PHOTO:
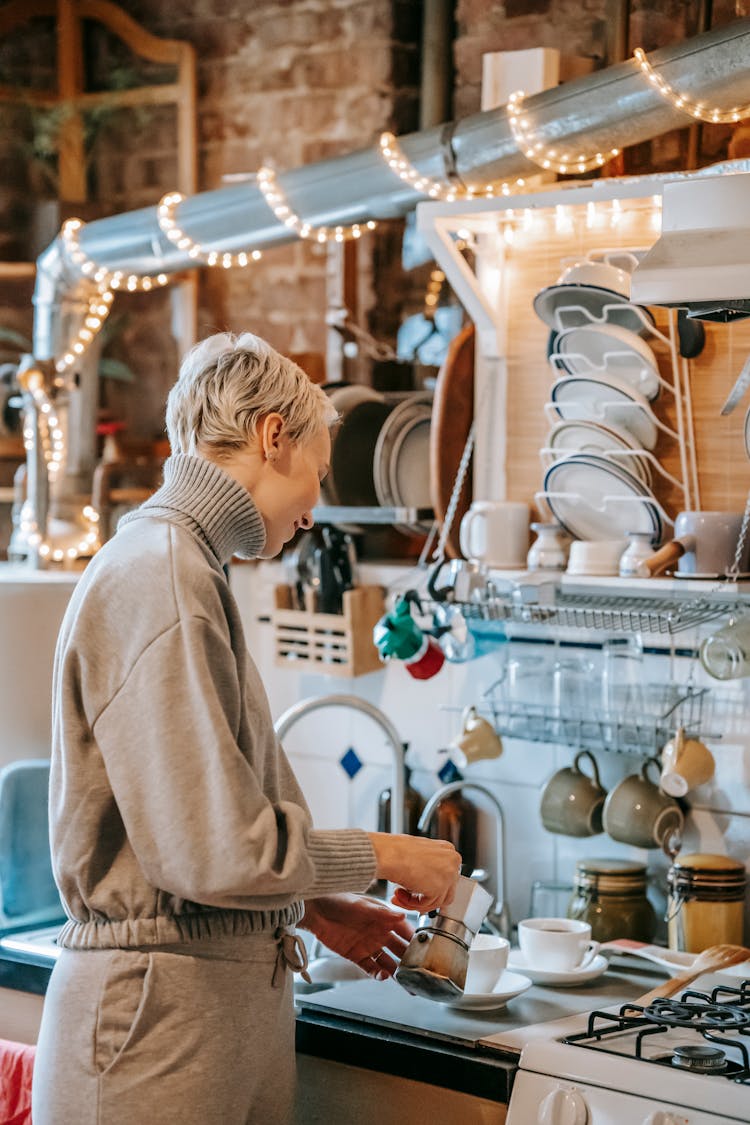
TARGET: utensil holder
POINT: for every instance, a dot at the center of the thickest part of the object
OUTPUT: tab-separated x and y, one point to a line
330	643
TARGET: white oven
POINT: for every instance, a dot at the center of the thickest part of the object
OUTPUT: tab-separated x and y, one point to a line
677	1062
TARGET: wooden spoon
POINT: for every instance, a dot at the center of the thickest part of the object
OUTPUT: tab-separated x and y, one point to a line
709	961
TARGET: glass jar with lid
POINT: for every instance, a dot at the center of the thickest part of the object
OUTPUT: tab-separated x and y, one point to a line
706	902
610	894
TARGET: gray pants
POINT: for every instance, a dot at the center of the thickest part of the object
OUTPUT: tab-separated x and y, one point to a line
157	1037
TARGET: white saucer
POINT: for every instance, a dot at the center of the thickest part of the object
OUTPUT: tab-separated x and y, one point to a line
509	985
558	978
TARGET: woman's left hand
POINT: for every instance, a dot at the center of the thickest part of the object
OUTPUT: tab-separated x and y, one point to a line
361	929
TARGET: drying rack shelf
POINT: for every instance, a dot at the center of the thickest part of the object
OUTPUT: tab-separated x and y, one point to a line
607	612
639	725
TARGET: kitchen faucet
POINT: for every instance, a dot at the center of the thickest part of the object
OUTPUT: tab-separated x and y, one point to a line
498	918
306	706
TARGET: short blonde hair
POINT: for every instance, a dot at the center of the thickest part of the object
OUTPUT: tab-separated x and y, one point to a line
227	384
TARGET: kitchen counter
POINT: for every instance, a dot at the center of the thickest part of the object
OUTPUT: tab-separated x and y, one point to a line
378	1027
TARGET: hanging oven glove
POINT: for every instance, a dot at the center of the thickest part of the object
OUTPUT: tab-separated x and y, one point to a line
398	636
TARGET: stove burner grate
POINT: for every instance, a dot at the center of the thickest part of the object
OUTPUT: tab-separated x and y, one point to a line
698	1015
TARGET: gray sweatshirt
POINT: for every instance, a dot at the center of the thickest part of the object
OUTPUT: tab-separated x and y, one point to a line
174	812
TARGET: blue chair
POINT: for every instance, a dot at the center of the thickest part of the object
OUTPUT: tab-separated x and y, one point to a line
28	894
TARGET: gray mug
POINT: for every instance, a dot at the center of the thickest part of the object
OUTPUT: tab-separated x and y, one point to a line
572	802
637	812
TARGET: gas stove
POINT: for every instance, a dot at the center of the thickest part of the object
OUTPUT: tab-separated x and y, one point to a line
681	1061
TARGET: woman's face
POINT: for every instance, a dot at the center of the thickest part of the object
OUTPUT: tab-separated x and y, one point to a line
289	487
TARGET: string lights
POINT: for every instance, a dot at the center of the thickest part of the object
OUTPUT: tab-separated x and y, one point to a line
543	156
166	216
104	278
393	156
279	204
702	112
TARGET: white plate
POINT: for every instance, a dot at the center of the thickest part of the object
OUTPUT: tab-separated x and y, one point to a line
562	306
603	499
401	468
509	985
556	978
593	437
606	401
608	349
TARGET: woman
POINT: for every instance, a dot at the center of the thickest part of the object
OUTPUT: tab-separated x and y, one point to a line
181	842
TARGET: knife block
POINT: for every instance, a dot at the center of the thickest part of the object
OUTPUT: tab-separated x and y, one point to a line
336	644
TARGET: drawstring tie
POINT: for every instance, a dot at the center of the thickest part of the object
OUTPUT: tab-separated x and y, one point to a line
291	954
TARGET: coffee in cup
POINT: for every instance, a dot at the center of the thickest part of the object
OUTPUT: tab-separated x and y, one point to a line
637	812
488	956
686	763
572	802
556	944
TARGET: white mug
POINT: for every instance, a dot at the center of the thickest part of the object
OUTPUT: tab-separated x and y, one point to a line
556	944
488	956
496	532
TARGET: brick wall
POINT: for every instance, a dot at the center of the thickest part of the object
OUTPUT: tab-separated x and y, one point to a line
295	82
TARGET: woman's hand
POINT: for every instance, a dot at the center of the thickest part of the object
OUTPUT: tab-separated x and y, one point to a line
360	929
426	871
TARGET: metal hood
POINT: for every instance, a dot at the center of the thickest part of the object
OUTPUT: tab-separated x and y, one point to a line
701	262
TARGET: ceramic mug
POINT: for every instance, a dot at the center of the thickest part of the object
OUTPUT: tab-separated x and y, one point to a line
599	557
704	545
477	739
496	533
572	802
686	763
488	956
637	812
556	944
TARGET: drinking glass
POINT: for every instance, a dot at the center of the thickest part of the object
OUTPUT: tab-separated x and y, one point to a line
622	687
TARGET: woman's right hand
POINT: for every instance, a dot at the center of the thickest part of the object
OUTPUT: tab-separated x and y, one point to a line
426	871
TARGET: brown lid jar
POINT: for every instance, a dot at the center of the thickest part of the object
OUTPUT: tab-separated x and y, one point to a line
610	894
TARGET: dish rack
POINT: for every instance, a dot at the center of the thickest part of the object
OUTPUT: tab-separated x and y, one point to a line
629	613
639	725
679	387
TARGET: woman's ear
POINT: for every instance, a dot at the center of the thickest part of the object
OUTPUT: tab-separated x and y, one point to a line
271	429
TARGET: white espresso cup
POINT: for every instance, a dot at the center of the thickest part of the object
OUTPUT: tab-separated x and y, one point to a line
556	944
496	533
488	956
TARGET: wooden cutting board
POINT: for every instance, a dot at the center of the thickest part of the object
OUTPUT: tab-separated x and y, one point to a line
452	415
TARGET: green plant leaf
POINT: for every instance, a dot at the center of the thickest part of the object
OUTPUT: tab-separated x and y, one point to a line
116	369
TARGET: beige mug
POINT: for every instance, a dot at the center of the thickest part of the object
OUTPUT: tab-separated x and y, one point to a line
477	739
572	802
496	533
637	812
686	763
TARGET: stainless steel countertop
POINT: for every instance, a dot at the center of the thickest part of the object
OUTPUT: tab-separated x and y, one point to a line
387	1004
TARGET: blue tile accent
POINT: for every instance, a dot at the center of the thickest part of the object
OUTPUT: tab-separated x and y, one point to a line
350	762
449	773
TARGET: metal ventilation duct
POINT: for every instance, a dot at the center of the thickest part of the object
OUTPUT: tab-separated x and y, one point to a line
609	109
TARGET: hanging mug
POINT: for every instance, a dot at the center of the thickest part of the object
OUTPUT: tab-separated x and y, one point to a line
572	802
477	739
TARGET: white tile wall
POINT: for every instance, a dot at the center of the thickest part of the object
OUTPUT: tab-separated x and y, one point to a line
426	715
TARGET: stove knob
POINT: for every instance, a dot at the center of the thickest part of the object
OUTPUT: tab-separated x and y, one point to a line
563	1106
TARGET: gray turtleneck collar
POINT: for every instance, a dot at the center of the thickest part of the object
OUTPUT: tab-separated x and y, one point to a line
199	495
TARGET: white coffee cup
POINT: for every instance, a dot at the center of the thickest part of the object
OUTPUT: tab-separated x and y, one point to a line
488	956
496	533
556	944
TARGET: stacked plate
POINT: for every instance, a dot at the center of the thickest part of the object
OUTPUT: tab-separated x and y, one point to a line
381	452
599	483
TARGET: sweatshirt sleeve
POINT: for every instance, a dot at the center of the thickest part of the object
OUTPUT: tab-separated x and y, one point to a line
192	803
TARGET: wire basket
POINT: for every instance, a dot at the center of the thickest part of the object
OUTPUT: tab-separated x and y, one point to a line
640	721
